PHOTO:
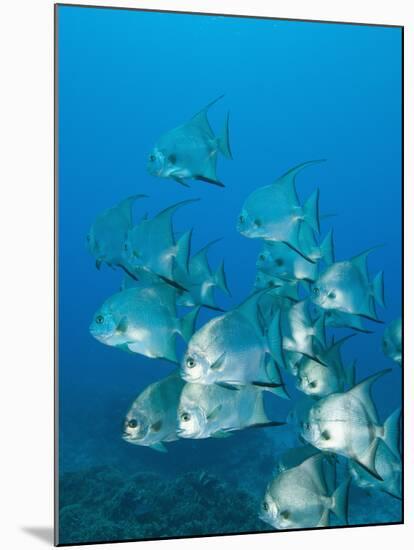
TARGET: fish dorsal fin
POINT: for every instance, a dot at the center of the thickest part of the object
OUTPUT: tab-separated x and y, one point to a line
182	251
360	261
332	355
125	206
169	211
200	119
288	180
199	266
362	392
161	227
296	456
249	308
314	467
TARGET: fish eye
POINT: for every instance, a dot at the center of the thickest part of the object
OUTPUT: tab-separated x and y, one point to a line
285	514
257	223
332	295
241	219
190	362
152	158
132	423
325	435
185	417
313	384
262	257
125	247
265	506
172	159
88	238
99	319
279	262
271	284
316	291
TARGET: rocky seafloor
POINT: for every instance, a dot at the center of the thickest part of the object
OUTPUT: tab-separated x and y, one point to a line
198	488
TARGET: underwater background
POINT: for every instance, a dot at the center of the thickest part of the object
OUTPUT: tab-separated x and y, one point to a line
296	91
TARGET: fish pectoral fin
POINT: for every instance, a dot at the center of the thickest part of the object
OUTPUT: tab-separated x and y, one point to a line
156	427
122	326
209	180
219	363
214	413
160	447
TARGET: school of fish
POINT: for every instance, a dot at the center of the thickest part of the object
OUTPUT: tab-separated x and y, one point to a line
276	334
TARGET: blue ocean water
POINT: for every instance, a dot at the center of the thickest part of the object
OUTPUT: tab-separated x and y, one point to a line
296	91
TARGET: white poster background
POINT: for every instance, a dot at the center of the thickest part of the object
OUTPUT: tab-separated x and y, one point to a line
26	289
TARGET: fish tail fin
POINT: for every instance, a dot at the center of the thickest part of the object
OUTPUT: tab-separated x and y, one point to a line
275	377
327	249
378	288
187	323
183	248
311	211
224	140
275	340
391	435
220	279
340	501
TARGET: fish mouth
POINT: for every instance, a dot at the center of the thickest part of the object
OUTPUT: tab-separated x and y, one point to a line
185	375
182	433
240	229
99	336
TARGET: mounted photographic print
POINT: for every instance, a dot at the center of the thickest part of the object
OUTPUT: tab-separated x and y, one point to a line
229	274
